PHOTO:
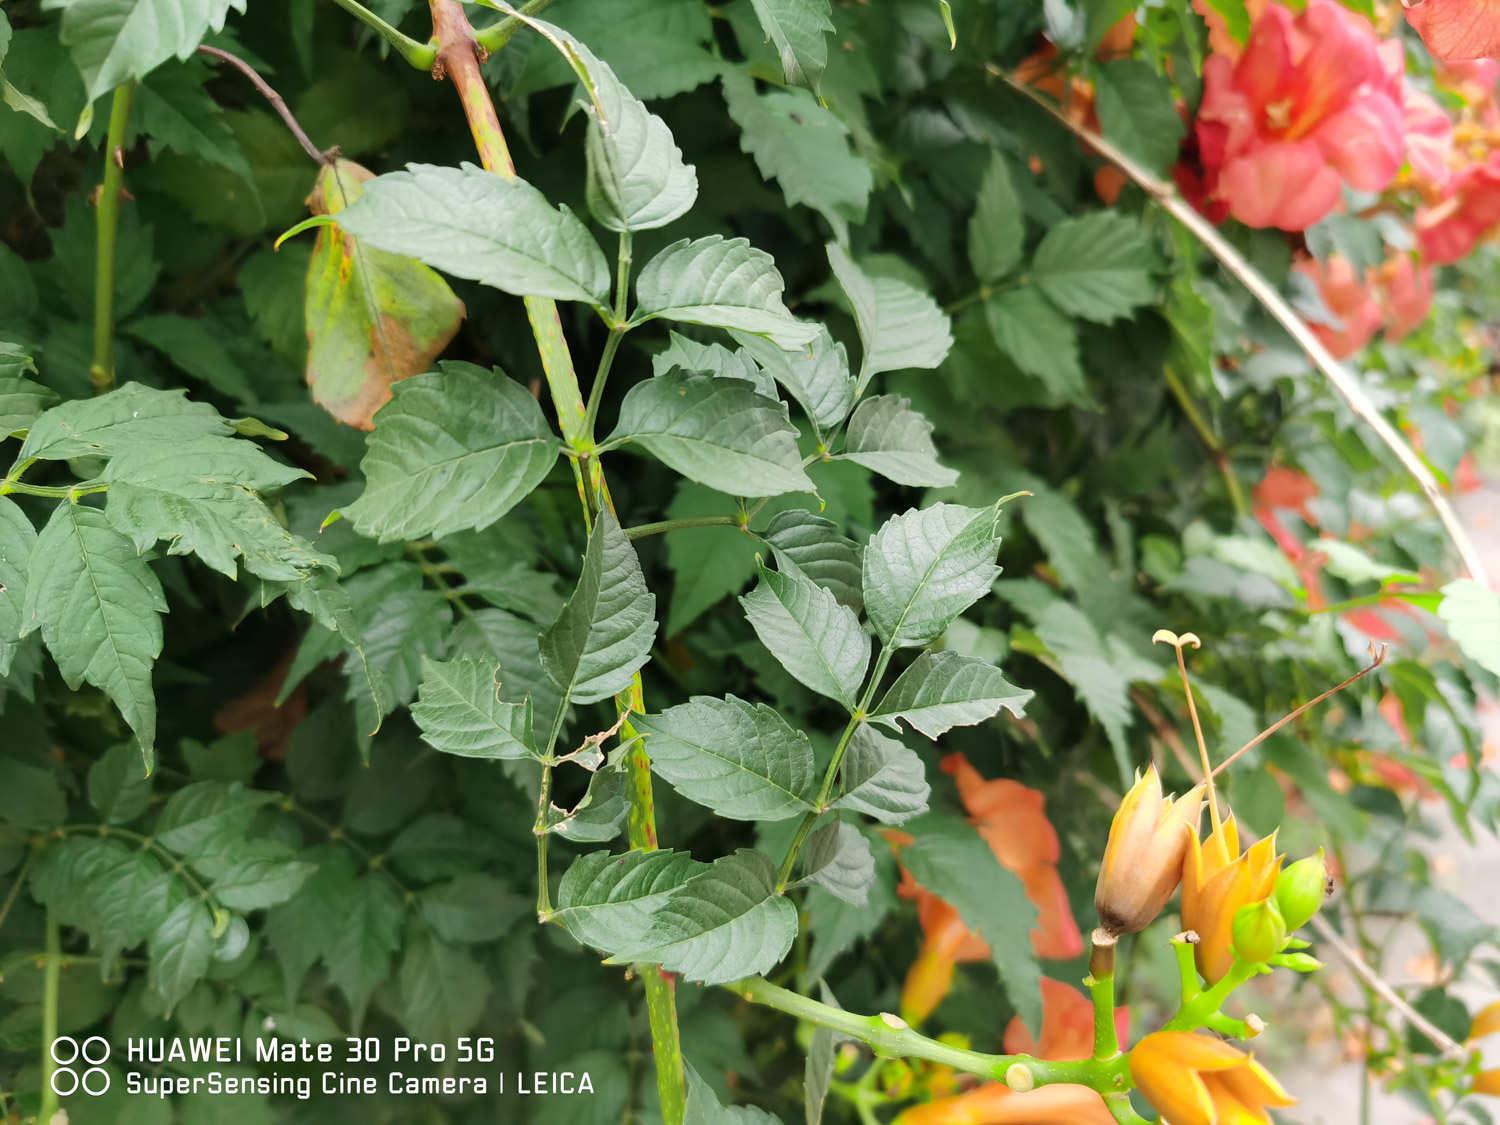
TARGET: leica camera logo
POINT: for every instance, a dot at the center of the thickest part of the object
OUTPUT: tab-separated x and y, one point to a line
79	1065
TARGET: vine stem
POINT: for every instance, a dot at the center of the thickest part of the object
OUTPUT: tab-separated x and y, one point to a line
1348	388
277	102
660	527
422	56
457	58
1101	986
51	984
102	366
891	1037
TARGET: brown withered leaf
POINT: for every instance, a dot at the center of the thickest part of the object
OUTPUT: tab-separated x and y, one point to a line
372	318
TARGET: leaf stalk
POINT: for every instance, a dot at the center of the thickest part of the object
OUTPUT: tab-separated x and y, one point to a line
102	366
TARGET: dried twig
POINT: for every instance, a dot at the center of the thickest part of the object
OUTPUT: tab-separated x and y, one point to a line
278	103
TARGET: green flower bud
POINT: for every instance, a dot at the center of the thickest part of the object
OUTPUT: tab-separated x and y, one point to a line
1300	890
1259	932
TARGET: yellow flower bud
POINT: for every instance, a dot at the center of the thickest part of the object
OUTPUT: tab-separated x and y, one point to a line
1143	859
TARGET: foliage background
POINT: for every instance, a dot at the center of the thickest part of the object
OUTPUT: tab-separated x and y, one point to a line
396	897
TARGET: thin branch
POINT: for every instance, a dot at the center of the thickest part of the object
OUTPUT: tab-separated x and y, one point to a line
102	366
1345	384
422	56
660	527
1377	658
278	103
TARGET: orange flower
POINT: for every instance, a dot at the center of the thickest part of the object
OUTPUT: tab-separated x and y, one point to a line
1198	1080
1012	819
1487	1082
1216	881
1487	1022
1143	859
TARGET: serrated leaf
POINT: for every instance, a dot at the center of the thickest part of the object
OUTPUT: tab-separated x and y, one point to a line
717	432
599	815
817	375
899	326
925	567
370	914
813	545
256	881
1472	614
836	926
201	496
17	541
115	41
714	359
801	145
181	949
997	229
96	603
838	859
129	417
882	778
607	901
373	318
659	48
195	345
722	283
1039	339
471	223
820	642
604	633
887	436
472	907
725	923
33	798
493	634
21	401
1138	112
459	711
798	28
454	449
119	895
206	817
948	858
177	113
740	759
943	690
1087	662
441	990
704	1107
118	788
1096	266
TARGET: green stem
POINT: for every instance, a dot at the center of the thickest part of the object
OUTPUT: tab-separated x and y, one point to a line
15	888
102	367
176	865
891	1037
660	527
51	983
1196	1012
1187	972
539	827
831	774
1118	1104
1211	442
70	492
422	56
617	332
497	35
1106	1036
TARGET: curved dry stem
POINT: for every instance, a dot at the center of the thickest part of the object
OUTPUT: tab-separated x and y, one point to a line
1355	397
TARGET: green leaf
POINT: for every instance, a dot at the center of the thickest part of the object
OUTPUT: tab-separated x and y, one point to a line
255	881
131	417
813	545
180	949
21	400
471	223
1087	662
604	633
925	567
798	28
740	759
725	923
472	907
208	817
1139	112
838	859
714	359
454	449
801	145
948	858
115	41
196	346
119	895
658	48
96	603
817	376
17	541
888	436
820	642
1472	614
997	229
704	1108
200	495
722	283
882	778
370	914
1097	266
717	432
599	815
943	690
899	325
176	112
441	990
1039	340
493	634
373	318
33	799
458	710
118	788
607	901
